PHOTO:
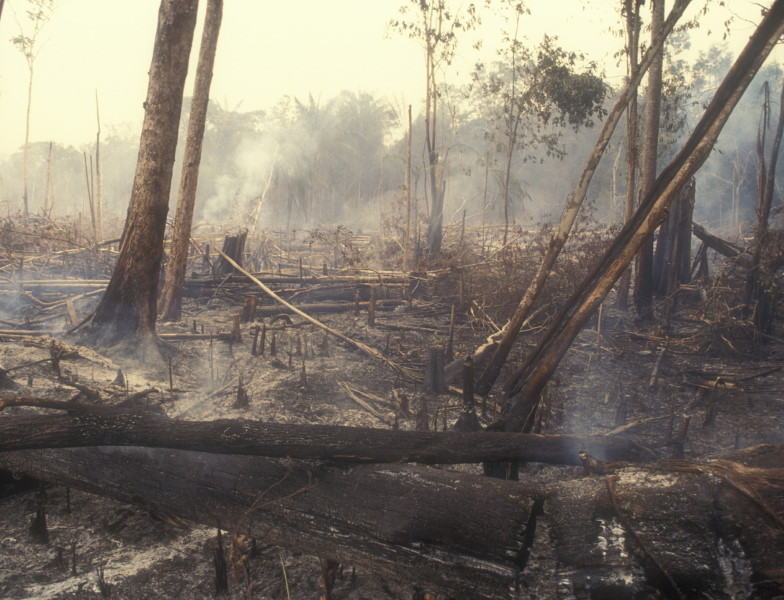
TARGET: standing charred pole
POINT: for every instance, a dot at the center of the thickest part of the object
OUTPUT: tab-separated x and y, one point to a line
171	295
128	306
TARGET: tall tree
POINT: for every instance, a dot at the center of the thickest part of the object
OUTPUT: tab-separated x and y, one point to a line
761	288
436	26
632	22
128	307
171	295
38	13
643	283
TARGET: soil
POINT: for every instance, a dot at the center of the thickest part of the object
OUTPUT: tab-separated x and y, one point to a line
711	392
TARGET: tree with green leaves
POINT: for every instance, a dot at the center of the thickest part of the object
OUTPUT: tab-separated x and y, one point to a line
38	14
530	95
436	26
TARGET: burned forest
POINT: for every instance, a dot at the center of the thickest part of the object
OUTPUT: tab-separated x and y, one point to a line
519	339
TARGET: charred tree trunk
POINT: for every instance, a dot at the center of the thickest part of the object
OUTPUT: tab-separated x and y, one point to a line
233	247
129	304
171	295
632	24
672	259
668	530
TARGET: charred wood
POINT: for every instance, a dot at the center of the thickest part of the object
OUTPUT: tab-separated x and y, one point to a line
96	425
691	529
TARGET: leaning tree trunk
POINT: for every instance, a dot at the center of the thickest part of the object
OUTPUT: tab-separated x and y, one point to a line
643	282
171	295
529	379
128	306
679	530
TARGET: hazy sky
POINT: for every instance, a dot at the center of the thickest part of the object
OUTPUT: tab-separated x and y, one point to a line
266	50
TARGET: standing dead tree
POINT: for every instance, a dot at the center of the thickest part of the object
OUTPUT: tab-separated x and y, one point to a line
525	385
128	306
643	281
632	24
672	259
171	294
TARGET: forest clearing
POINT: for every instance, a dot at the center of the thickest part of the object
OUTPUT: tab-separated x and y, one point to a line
365	373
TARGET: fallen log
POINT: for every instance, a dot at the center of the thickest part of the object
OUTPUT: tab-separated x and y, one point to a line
99	425
720	245
326	307
676	530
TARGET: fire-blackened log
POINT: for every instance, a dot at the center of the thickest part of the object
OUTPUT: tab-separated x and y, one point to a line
93	425
686	529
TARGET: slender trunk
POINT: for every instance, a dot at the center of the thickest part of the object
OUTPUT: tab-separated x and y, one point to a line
98	174
26	148
761	291
89	185
171	295
407	241
643	288
512	125
48	196
508	175
632	8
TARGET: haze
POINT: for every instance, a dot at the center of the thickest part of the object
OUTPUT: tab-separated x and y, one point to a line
266	50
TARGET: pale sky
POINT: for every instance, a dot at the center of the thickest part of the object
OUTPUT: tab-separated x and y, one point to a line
266	50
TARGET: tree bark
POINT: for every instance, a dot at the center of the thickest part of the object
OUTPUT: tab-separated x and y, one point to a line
525	385
643	283
171	295
234	247
96	425
689	529
761	291
672	258
128	306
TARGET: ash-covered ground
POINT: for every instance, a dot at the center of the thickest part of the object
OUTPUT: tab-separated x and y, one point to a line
688	389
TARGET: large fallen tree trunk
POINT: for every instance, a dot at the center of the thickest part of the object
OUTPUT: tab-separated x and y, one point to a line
689	529
94	425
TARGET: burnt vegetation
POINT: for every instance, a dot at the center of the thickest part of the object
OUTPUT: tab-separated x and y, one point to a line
346	370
